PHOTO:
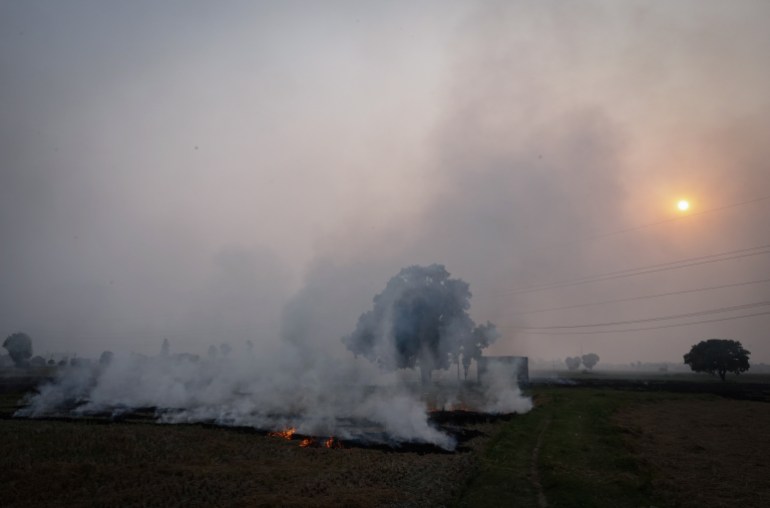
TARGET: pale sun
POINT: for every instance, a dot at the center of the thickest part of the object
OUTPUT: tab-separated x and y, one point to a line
683	205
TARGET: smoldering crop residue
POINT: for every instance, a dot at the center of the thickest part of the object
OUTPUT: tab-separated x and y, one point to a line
355	403
317	393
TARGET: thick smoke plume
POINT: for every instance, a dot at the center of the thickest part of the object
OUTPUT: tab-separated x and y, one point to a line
501	393
420	319
242	390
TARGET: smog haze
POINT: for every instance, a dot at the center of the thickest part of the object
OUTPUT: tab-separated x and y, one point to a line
217	173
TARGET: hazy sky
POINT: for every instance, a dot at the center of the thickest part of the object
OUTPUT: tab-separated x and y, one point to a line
213	172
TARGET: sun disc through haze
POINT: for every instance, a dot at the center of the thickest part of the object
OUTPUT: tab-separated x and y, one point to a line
258	172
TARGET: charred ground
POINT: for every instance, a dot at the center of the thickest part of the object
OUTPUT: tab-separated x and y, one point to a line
597	442
133	461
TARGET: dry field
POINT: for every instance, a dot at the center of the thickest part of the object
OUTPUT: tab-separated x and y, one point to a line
50	463
609	446
704	453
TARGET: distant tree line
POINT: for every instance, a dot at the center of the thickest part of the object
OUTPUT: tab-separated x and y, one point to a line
19	347
588	360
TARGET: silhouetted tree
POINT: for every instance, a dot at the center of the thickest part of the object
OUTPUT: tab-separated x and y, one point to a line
19	346
419	320
589	360
573	362
718	356
106	358
225	349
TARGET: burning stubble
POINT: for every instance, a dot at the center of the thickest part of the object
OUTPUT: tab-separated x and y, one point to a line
295	392
353	403
337	398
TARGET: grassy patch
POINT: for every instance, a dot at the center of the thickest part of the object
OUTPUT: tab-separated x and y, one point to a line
502	475
583	459
575	449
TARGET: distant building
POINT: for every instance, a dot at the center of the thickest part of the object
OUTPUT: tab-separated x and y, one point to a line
517	366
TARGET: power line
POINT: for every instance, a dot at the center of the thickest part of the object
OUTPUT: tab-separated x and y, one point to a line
656	267
644	297
660	267
657	223
635	228
646	328
718	310
674	219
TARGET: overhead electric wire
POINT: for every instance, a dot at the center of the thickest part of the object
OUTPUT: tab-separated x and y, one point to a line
706	312
660	267
722	256
644	297
635	228
678	218
656	223
660	327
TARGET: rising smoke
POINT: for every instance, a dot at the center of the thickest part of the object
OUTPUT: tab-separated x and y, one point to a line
171	171
421	320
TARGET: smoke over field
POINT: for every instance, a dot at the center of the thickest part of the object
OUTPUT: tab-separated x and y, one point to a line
315	394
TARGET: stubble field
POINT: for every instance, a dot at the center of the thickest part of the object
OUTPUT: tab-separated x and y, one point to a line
580	446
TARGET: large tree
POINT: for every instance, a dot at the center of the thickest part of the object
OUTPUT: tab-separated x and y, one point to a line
19	347
420	320
589	360
718	356
572	362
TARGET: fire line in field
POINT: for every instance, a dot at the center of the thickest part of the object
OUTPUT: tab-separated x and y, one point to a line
306	442
285	434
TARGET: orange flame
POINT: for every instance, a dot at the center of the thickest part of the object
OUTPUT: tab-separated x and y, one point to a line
306	442
332	443
286	434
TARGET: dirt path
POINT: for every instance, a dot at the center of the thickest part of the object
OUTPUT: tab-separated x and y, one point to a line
542	501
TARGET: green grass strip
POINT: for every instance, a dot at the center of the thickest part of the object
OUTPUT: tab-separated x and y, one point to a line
582	460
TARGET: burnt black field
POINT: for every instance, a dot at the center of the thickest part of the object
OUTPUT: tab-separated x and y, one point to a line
591	440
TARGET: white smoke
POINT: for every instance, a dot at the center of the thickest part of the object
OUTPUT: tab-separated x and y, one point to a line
307	381
501	390
347	400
